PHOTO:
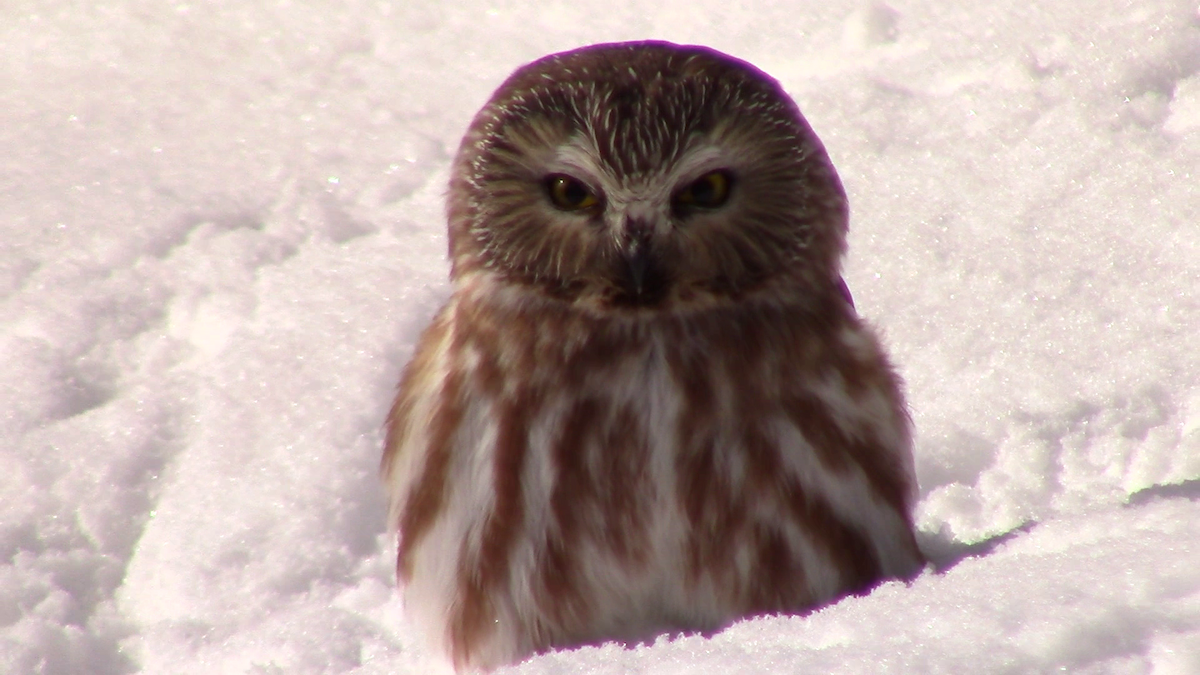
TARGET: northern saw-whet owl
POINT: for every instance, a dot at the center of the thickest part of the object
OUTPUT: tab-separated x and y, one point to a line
648	406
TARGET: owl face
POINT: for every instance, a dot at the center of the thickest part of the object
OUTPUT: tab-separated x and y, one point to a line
645	176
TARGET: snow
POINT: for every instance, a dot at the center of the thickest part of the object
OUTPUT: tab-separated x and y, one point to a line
221	232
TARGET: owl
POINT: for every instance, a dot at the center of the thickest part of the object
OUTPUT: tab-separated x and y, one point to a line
648	406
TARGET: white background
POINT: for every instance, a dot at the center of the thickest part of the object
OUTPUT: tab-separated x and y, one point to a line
221	232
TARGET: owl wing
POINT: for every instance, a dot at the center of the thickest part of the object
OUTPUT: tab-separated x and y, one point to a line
421	397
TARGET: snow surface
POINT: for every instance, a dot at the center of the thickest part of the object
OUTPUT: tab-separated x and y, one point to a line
221	232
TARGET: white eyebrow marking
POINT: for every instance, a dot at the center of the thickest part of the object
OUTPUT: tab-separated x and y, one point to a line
699	161
576	157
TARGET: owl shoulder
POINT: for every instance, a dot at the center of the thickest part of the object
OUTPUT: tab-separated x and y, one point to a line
422	384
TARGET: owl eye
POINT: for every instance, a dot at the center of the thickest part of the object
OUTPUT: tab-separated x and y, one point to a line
707	192
570	194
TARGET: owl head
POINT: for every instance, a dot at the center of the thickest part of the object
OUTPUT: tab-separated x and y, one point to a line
646	176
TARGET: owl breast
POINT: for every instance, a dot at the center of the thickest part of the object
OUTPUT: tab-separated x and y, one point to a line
560	479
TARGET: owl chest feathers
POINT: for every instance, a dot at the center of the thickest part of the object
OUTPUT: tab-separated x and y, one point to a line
570	479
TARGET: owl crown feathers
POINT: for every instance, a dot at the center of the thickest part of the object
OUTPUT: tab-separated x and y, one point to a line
646	175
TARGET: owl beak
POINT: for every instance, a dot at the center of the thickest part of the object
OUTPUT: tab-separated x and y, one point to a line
643	278
637	261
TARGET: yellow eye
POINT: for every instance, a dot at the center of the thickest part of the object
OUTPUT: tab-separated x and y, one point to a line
570	194
708	191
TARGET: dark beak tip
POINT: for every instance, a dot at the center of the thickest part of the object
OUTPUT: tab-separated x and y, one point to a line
637	261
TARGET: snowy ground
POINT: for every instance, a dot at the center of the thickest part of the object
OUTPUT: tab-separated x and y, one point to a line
221	231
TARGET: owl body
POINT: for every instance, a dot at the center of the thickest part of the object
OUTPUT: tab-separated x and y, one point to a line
648	406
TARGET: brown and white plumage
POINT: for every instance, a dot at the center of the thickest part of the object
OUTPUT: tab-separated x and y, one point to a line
648	406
